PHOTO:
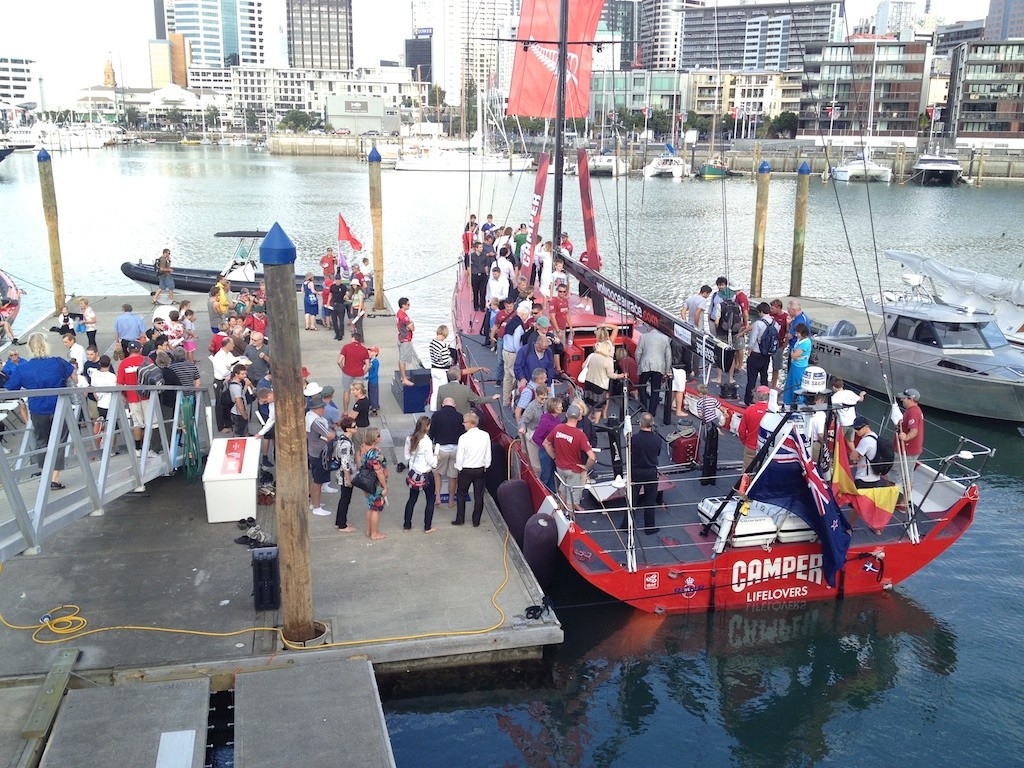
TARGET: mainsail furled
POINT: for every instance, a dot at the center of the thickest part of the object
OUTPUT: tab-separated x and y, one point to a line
532	93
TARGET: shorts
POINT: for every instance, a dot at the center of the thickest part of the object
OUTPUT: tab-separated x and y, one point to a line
101	414
407	354
347	381
189	345
316	468
678	379
446	462
166	283
739	341
778	357
92	409
136	414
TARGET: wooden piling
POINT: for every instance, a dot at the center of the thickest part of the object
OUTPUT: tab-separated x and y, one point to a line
796	274
764	175
376	218
291	501
52	231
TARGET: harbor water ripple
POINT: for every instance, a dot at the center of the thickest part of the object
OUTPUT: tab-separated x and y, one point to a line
928	674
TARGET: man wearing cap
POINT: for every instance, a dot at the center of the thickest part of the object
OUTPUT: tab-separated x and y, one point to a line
354	362
331	410
318	435
472	458
128	376
909	437
751	422
862	453
567	444
532	357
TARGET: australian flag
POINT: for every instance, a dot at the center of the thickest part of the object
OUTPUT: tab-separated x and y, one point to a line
791	480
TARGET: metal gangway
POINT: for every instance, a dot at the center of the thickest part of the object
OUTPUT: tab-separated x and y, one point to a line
98	467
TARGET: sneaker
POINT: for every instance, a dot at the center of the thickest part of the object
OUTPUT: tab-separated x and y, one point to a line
138	453
152	455
267	462
321	512
328	488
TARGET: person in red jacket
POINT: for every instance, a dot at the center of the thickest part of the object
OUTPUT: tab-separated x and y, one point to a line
909	437
750	422
128	376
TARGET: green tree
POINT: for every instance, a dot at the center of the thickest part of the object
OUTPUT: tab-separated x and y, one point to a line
295	119
469	106
212	116
252	120
175	117
784	126
132	117
659	121
924	123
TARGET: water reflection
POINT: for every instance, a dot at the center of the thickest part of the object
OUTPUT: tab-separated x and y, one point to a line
754	688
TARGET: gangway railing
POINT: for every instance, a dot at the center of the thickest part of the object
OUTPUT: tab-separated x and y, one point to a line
99	466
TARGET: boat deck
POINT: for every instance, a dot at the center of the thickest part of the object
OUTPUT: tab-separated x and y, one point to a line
679	536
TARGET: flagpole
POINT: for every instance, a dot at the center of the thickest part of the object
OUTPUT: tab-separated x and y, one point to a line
563	34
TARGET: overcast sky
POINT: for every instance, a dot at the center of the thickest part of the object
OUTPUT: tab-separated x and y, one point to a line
71	40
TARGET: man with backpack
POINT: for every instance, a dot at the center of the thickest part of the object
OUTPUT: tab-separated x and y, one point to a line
730	324
872	457
761	345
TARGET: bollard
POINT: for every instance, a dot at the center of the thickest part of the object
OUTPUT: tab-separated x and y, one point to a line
376	218
764	175
796	274
53	232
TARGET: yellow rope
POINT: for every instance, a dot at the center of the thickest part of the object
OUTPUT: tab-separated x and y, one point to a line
67	623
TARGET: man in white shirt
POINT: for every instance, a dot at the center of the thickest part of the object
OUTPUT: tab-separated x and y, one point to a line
862	452
844	401
76	351
497	286
472	458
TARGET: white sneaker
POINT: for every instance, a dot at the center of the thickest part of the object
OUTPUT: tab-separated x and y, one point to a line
328	488
138	453
152	455
321	512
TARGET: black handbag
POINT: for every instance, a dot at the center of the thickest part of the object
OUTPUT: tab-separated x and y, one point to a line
365	480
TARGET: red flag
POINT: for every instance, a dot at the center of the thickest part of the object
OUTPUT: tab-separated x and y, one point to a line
345	235
532	93
526	255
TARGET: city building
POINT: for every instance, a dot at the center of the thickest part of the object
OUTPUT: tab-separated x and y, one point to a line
1005	20
871	88
986	94
18	84
208	29
896	17
169	60
661	29
468	48
225	33
763	36
621	22
419	53
320	34
948	36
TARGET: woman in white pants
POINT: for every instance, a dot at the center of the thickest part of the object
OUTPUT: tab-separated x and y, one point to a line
440	362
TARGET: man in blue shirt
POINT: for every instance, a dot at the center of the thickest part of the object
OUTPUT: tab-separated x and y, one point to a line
530	357
128	327
796	316
43	372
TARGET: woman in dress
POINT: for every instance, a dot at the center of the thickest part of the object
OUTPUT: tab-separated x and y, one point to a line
600	371
310	302
440	362
799	356
370	456
422	460
89	320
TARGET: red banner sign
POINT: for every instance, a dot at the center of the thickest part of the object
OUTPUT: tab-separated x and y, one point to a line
534	86
526	254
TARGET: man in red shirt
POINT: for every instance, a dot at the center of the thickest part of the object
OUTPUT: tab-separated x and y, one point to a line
558	312
781	318
909	433
407	356
329	263
567	444
354	361
128	376
566	244
751	423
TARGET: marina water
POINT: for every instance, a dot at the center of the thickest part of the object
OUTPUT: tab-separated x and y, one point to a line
926	675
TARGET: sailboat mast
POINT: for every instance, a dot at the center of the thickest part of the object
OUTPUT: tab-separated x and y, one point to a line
563	33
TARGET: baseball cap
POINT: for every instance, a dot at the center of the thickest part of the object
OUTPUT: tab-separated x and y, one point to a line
574	412
762	390
315	403
860	422
312	389
911	393
134	345
327	392
543	322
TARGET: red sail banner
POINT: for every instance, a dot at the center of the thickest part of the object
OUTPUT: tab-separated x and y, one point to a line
533	89
526	255
587	202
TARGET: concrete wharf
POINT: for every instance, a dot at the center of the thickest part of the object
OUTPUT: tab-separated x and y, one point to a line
412	601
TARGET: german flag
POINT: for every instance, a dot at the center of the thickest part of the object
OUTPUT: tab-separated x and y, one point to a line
874	505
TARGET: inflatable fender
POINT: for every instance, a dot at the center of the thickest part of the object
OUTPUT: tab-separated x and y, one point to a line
516	506
540	547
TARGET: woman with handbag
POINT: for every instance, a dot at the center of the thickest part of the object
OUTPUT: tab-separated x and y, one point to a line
345	452
372	459
596	376
422	460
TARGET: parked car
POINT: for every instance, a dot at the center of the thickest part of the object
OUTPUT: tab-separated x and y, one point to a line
342	132
317	131
371	133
